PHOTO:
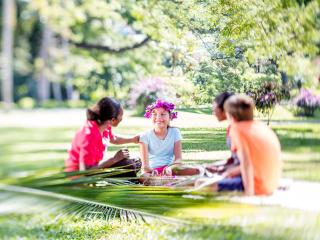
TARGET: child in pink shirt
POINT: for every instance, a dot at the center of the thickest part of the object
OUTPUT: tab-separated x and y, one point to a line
90	142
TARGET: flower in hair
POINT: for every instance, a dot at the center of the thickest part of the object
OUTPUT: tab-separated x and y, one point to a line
161	104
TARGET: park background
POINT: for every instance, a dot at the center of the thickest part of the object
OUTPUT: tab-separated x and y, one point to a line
59	57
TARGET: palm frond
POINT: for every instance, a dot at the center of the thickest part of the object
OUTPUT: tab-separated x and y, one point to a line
100	194
24	199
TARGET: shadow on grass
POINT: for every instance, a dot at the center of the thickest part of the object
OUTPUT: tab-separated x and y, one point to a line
203	139
295	139
303	170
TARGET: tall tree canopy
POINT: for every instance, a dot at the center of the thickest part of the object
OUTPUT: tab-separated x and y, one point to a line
96	46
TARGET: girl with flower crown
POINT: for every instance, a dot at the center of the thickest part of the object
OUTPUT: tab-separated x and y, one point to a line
160	147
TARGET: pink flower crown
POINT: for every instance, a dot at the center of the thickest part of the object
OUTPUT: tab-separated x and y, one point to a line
161	104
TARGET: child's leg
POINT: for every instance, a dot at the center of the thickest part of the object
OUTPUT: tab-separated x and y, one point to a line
230	184
150	179
130	164
227	184
206	182
186	171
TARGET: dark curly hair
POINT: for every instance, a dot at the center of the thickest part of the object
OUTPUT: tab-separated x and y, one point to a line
104	110
222	98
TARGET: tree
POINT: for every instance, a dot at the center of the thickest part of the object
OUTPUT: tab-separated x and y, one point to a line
240	35
274	29
110	44
7	52
43	84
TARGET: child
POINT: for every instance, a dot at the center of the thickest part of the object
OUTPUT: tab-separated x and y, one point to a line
90	142
257	148
161	146
218	110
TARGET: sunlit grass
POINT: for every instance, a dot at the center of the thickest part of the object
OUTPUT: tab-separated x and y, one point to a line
224	221
35	149
26	150
31	226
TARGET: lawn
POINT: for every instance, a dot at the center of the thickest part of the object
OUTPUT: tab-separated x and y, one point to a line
26	150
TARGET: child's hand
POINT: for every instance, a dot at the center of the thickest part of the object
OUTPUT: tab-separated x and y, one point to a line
215	169
168	171
176	164
136	139
228	174
121	154
232	172
146	169
172	169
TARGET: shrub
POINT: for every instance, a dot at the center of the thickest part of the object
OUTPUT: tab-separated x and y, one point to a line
76	104
307	102
266	93
146	91
26	103
50	104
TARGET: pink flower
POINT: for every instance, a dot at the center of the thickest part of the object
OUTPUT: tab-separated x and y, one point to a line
161	104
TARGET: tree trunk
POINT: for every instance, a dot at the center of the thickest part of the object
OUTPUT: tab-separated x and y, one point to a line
56	84
43	86
9	12
68	76
57	91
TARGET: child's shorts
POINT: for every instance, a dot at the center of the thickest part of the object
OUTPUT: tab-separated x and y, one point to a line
159	170
230	184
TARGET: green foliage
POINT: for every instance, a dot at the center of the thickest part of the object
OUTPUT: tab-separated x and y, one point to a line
208	44
273	29
242	36
76	104
26	103
50	104
216	77
267	92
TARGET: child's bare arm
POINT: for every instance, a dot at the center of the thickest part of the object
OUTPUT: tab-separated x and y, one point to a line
121	154
144	157
232	172
123	140
177	151
246	169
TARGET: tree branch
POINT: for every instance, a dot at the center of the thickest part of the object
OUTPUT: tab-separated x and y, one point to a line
109	49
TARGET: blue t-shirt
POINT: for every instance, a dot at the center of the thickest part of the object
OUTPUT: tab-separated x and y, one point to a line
161	151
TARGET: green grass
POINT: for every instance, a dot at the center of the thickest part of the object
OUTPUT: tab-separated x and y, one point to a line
25	150
30	226
40	221
202	110
301	150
